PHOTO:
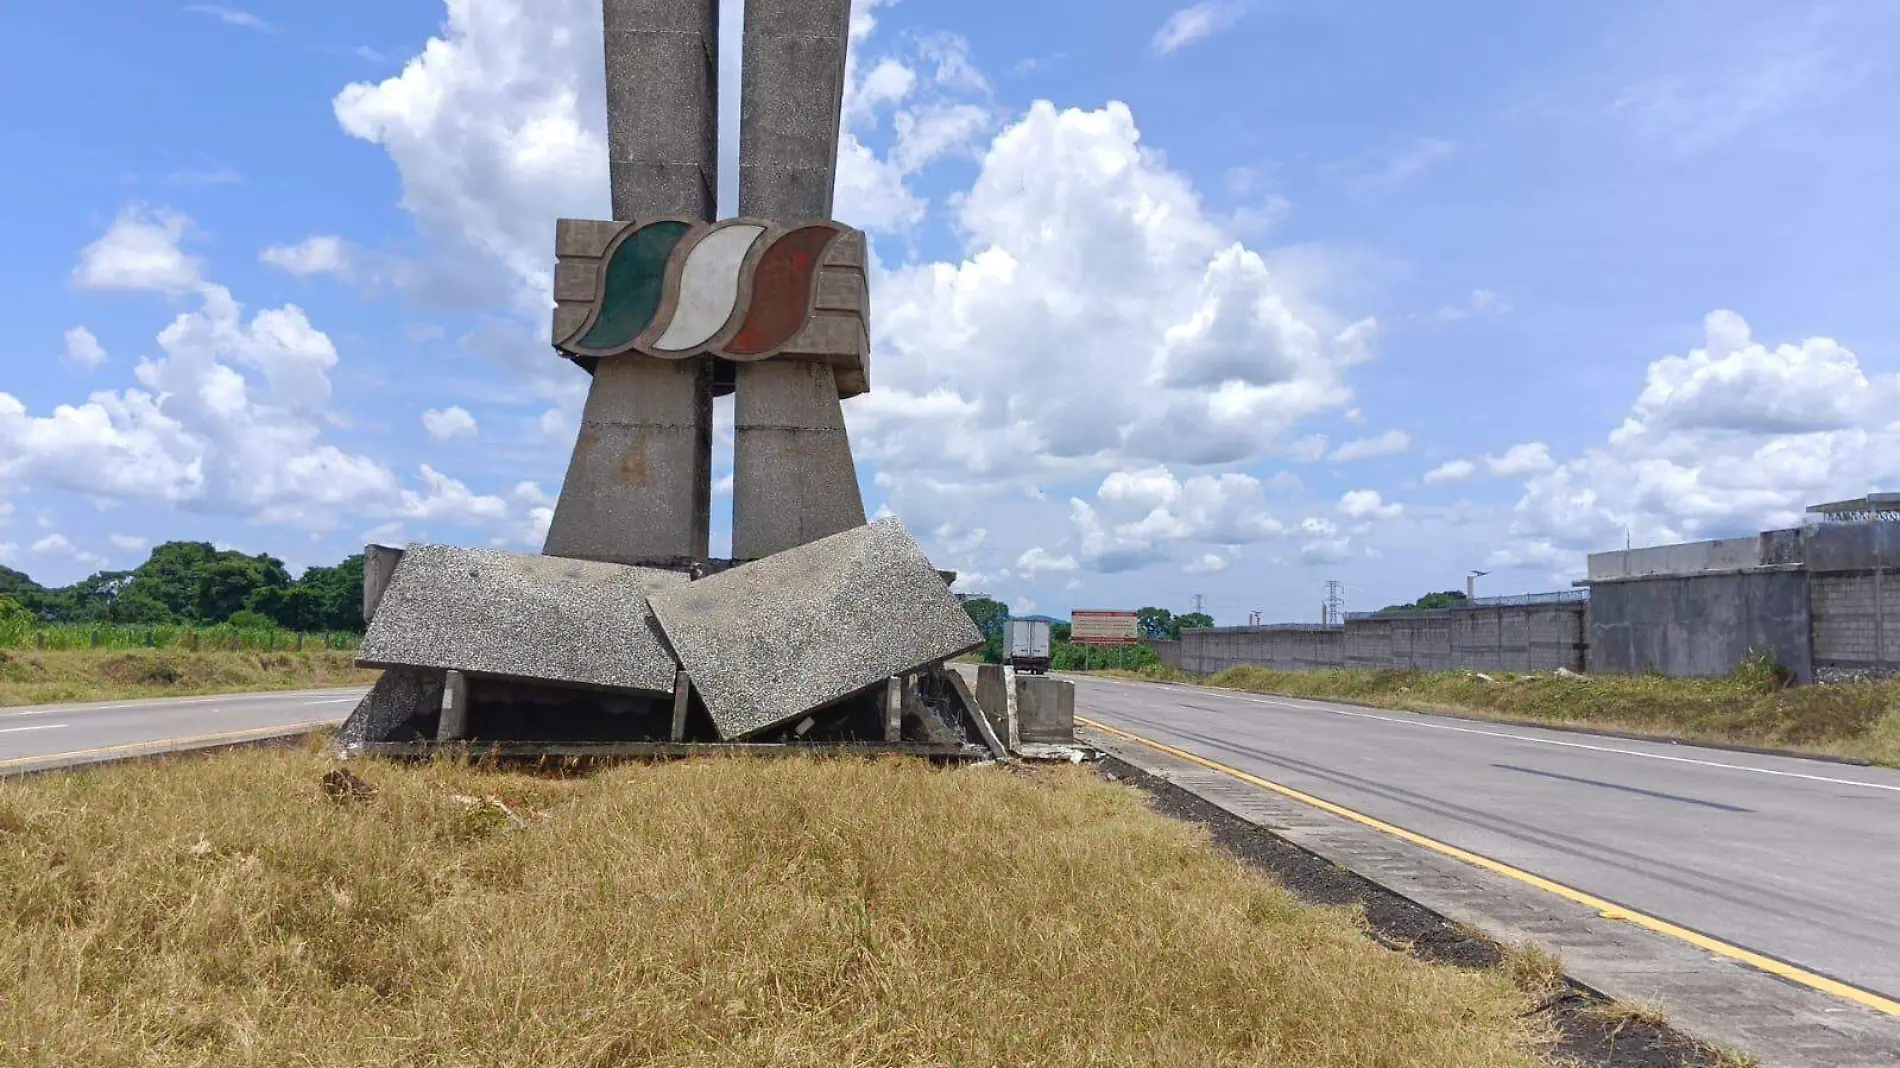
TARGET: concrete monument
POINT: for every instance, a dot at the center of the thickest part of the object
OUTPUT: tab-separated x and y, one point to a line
624	633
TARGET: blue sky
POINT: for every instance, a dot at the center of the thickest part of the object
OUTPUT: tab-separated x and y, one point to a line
1230	299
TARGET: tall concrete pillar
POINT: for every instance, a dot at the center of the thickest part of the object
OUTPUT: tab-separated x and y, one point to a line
639	486
793	478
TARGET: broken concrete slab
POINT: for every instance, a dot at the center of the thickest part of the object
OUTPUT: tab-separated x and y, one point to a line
545	618
960	687
771	640
398	697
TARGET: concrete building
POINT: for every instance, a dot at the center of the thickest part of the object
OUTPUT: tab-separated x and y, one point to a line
1821	598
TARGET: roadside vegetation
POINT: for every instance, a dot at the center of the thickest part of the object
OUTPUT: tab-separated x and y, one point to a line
192	619
707	912
34	677
1755	706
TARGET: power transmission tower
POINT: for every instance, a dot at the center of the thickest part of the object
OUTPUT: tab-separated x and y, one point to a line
1334	608
1200	603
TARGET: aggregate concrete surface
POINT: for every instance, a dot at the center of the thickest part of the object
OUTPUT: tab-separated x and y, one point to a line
39	735
772	639
530	617
1790	858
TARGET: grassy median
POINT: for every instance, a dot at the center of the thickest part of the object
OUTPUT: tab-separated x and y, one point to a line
224	910
1754	707
32	677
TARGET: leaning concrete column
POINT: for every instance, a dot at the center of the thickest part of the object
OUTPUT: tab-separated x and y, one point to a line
793	479
639	487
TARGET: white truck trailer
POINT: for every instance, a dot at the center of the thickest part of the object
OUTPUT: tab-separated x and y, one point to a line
1026	647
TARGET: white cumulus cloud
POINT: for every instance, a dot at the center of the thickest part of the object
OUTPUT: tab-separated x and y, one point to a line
1192	23
1735	436
141	251
1366	504
1386	444
447	424
82	349
322	254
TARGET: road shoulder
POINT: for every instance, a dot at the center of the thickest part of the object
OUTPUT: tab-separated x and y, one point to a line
1710	997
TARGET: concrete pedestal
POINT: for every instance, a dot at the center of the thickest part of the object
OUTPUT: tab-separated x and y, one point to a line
639	487
1045	710
793	480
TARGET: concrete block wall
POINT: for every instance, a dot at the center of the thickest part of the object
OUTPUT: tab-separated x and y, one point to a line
1856	619
1556	636
1701	625
1211	650
1518	638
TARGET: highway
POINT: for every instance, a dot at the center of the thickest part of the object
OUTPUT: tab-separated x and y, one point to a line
1796	859
37	735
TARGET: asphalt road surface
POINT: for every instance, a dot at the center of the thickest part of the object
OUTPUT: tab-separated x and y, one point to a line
110	728
1796	859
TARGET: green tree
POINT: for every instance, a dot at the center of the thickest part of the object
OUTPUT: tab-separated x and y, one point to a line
200	583
992	618
1445	599
135	605
1191	621
245	619
13	613
1156	624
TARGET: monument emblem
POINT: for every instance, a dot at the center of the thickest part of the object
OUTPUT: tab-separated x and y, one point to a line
623	636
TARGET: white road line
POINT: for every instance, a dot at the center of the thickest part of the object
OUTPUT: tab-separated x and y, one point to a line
160	703
333	701
1413	722
34	727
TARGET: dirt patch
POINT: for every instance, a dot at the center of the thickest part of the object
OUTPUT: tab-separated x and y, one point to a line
1593	1031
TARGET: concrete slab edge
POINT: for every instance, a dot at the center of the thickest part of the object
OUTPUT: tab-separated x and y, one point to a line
1710	997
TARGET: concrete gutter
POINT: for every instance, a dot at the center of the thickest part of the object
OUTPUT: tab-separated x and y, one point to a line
113	754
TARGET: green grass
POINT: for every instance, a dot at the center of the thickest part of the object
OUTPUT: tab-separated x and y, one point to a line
221	910
26	634
1859	720
34	677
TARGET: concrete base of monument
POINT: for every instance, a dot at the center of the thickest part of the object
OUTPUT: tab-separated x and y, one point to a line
536	655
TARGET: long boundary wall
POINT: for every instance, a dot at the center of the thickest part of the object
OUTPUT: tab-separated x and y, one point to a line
1522	638
1284	647
1823	600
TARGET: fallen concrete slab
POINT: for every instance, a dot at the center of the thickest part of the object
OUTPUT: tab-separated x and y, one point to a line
771	640
512	615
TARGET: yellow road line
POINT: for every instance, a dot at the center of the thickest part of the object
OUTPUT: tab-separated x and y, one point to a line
170	745
1604	907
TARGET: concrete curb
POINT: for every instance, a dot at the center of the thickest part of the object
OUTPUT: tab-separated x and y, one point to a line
1564	728
203	743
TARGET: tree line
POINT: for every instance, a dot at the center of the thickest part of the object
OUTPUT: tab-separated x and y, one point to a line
195	583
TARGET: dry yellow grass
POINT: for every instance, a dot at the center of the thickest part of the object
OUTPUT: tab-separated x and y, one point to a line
221	911
30	677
